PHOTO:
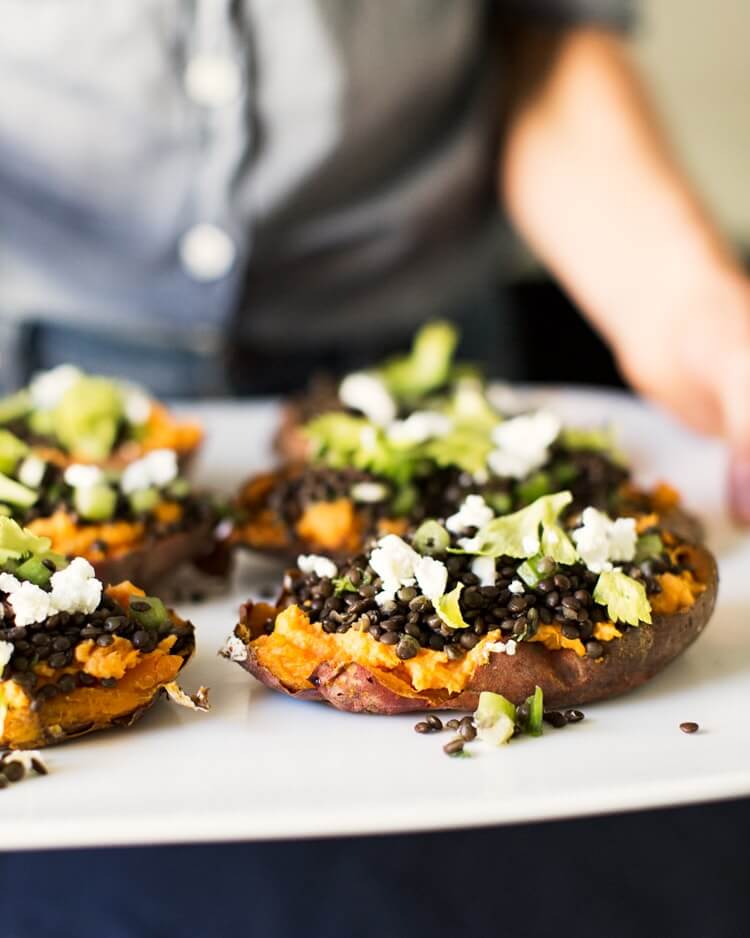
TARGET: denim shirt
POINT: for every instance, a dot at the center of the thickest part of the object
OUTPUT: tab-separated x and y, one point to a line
174	171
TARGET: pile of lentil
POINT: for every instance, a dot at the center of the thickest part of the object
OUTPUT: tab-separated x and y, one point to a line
13	767
591	476
54	642
55	495
562	596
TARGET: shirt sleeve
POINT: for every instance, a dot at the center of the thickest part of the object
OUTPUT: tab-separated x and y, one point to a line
616	14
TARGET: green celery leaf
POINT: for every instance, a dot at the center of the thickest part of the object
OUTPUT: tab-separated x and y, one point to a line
624	597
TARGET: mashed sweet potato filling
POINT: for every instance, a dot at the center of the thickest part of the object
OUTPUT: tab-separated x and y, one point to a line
74	540
297	647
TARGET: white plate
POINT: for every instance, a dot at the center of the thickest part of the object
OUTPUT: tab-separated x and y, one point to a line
262	766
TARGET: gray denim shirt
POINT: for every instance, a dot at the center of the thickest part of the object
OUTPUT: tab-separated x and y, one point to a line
171	170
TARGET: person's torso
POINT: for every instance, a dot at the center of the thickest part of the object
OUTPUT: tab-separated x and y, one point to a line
161	159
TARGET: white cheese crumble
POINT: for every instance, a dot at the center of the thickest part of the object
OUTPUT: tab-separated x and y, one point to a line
431	576
157	468
368	394
31	472
393	561
30	604
80	476
9	583
502	648
485	569
47	388
473	513
523	444
369	492
234	649
136	403
419	427
516	587
6	651
314	563
602	542
75	589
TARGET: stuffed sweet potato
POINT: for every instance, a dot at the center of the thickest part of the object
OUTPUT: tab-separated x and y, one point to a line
515	604
140	523
76	657
67	416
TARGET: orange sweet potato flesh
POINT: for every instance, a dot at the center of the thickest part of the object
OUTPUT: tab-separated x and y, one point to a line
131	553
350	680
140	680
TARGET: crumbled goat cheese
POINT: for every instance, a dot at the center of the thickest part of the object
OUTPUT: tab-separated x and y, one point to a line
369	492
75	589
523	444
30	604
314	563
473	513
157	468
601	542
47	388
79	476
234	649
9	583
393	560
502	648
6	651
31	472
368	394
431	576
516	587
136	404
419	427
485	569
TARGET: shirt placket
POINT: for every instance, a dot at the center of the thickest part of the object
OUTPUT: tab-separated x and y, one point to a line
215	242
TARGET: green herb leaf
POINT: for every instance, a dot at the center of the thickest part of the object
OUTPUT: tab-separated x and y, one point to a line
448	609
518	534
426	367
624	597
648	547
342	584
16	542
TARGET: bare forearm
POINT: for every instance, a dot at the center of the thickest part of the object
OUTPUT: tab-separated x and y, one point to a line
590	182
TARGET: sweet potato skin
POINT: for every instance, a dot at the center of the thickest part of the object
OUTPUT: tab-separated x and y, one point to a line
565	678
158	557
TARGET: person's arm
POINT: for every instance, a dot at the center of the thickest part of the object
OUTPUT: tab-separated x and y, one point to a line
590	182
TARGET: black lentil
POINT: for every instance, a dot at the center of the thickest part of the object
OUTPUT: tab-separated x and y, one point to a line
689	727
454	747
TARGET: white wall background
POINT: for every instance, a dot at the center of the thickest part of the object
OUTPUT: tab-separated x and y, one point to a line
696	54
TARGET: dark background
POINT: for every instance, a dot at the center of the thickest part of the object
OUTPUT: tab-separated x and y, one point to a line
681	872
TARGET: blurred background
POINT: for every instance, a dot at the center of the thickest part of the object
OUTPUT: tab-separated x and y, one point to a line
694	56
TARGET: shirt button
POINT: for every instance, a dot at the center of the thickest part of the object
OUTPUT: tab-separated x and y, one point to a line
207	252
212	80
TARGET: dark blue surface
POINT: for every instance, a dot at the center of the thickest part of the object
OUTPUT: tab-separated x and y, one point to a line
668	873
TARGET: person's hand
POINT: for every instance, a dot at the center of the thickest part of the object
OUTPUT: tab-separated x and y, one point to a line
693	357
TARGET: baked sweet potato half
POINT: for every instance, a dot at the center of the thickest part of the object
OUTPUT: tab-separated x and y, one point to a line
75	657
584	617
140	523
